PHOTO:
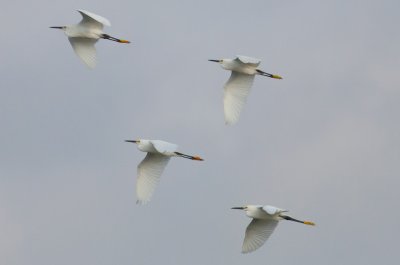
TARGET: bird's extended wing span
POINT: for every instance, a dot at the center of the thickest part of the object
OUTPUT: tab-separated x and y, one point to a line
257	232
149	172
84	48
248	60
164	147
271	210
236	91
92	20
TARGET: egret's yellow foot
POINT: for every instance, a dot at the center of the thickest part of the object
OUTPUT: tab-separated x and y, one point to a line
276	76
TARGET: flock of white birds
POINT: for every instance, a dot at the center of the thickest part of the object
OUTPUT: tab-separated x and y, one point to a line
84	35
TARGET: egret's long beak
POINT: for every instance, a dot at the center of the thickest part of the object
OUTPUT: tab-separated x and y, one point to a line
132	141
238	208
56	27
108	37
212	60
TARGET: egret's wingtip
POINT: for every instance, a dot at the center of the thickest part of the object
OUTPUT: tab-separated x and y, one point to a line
90	66
229	122
140	202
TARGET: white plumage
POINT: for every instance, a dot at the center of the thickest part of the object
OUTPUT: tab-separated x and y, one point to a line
257	232
265	220
84	35
148	175
84	48
150	169
239	84
236	91
248	60
92	20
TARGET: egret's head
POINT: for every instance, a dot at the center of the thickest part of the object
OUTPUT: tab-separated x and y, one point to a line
133	141
217	61
60	27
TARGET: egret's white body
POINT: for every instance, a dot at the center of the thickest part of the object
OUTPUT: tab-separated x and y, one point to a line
150	169
265	220
239	84
85	34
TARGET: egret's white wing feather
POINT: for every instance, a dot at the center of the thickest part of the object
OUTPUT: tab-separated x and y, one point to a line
248	60
236	91
257	232
92	20
164	147
84	48
271	210
149	172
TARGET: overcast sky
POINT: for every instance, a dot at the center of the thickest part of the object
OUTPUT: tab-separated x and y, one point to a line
323	142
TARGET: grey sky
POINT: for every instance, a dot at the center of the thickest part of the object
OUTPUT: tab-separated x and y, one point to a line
323	142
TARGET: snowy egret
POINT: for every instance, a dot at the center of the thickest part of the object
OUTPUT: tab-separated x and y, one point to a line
265	219
150	169
238	86
85	34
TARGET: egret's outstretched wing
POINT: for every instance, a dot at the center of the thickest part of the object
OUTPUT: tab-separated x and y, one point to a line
92	20
272	210
248	60
164	147
236	91
257	232
149	172
84	48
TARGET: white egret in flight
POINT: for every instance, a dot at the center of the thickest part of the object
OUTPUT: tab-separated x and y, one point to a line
238	86
85	34
150	169
265	219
